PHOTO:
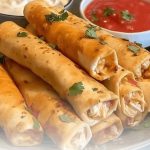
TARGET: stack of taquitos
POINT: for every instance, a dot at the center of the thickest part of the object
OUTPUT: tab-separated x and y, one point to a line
132	107
20	127
89	98
57	118
137	61
98	59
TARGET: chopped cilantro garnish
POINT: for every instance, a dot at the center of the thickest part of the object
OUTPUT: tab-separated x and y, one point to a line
76	88
134	48
108	11
91	32
66	118
36	124
126	15
63	15
94	17
22	34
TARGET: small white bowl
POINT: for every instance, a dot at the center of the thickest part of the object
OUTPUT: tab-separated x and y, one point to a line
140	37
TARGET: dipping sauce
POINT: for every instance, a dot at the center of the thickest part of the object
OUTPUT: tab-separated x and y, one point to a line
120	15
15	7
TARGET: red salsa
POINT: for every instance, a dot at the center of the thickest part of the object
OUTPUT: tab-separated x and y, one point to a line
120	15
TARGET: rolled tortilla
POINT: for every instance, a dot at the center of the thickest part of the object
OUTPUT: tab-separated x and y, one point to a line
132	106
99	60
89	98
57	118
144	84
107	130
136	62
20	127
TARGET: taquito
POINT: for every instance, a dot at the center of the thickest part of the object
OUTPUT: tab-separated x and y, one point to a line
107	130
130	55
20	127
89	98
57	118
144	84
98	59
132	106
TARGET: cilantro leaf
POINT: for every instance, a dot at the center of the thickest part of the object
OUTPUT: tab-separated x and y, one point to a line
139	44
63	15
94	17
91	32
76	88
22	34
134	48
108	11
126	15
36	124
66	118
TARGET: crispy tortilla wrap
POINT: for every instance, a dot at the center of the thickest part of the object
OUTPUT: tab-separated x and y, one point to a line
132	106
144	84
20	127
107	130
89	98
57	118
99	60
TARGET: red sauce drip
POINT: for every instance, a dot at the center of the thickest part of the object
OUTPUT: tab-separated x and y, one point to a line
140	9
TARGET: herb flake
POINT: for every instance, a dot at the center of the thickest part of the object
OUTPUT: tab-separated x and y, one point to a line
133	48
36	124
108	11
76	89
91	32
139	44
66	118
22	34
126	15
95	89
63	15
94	17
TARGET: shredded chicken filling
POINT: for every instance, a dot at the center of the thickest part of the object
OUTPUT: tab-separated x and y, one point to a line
101	110
132	101
106	65
143	68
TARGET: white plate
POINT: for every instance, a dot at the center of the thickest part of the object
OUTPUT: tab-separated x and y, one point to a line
132	139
